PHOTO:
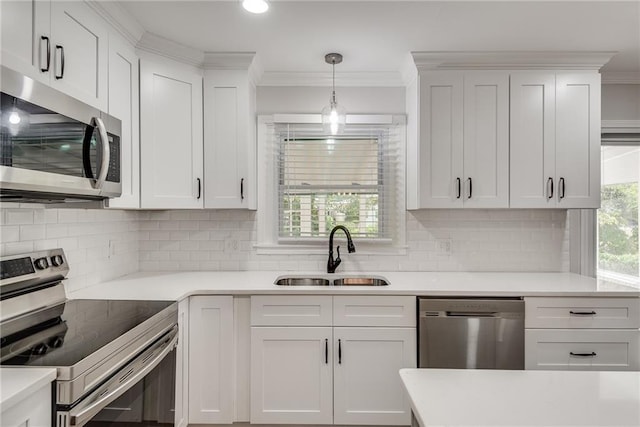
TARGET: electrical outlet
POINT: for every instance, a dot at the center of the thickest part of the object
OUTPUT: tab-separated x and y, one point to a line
444	247
230	245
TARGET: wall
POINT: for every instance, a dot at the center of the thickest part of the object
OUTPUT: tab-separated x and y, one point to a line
481	240
309	100
99	244
620	102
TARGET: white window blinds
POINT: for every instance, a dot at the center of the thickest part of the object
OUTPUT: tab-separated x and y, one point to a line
352	180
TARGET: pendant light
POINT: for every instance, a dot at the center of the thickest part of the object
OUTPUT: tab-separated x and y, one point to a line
255	6
334	116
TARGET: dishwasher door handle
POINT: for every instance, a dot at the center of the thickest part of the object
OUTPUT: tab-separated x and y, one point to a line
470	314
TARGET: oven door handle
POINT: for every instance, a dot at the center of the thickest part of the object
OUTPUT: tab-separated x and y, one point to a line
123	380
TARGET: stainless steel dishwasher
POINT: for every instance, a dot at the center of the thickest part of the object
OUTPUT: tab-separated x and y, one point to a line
473	333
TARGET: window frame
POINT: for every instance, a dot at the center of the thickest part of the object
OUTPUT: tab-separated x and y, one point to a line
584	222
268	240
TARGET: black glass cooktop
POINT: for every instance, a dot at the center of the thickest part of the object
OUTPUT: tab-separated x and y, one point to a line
66	334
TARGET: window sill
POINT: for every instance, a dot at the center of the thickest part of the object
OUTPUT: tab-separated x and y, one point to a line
308	249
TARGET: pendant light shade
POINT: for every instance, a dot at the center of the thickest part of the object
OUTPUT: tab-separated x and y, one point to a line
334	116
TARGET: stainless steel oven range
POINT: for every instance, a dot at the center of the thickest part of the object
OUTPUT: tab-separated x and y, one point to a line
115	359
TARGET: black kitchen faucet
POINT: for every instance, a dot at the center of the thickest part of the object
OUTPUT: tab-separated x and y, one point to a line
333	264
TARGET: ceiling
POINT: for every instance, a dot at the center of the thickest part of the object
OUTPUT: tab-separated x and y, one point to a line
377	36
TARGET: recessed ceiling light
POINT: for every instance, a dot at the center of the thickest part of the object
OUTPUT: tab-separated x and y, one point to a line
255	6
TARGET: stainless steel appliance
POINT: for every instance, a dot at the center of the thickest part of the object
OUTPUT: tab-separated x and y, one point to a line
54	147
115	359
471	333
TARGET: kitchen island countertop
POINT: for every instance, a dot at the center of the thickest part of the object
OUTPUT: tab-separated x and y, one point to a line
178	285
474	397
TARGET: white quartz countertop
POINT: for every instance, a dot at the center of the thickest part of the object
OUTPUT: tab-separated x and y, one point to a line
177	285
473	397
16	384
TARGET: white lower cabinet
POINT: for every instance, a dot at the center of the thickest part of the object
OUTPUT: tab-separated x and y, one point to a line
582	333
291	375
210	360
306	373
35	410
367	388
566	349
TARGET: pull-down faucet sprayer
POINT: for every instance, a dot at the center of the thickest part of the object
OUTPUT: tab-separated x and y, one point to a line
333	264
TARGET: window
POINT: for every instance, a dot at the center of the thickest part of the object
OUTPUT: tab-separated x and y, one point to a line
618	244
316	182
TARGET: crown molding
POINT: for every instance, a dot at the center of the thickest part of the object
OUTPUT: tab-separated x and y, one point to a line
512	60
121	20
228	60
241	61
157	45
324	79
621	78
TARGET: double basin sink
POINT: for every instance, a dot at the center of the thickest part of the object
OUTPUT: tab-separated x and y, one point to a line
330	281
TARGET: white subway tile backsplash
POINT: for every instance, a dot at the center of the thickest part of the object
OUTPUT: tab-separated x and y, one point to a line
98	243
104	244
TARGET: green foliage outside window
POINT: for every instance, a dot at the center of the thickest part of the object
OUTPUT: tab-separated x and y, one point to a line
618	228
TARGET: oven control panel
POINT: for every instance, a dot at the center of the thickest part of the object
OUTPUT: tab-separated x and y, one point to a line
42	263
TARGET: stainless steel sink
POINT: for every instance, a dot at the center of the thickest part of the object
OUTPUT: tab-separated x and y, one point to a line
360	281
321	281
302	281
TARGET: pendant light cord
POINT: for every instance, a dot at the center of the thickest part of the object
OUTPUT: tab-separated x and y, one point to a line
333	78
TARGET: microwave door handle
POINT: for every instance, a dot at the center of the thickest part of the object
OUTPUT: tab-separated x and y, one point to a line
83	415
106	152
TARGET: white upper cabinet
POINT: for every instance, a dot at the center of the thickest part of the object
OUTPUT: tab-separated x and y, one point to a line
532	140
79	52
439	149
486	140
123	104
463	141
63	44
578	140
26	37
170	134
504	129
229	133
555	140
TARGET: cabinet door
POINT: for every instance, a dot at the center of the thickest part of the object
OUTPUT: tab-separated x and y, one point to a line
229	140
532	167
79	52
24	32
441	139
211	360
367	387
182	366
291	375
170	135
578	140
486	140
34	410
123	104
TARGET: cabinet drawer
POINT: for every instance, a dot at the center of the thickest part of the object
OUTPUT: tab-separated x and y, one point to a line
374	311
290	310
615	350
569	313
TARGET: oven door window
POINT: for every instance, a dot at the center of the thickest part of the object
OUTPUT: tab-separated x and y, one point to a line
148	403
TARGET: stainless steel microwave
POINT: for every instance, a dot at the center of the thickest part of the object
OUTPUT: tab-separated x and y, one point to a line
54	148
